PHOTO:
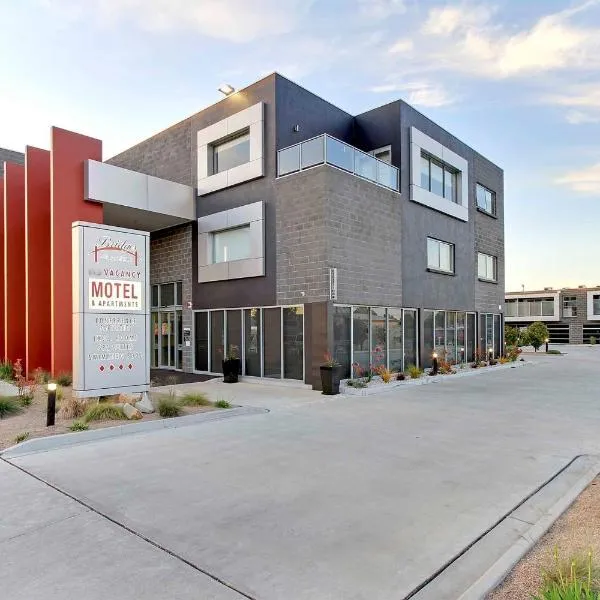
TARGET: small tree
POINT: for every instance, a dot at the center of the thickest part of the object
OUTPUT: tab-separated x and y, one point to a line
511	335
537	334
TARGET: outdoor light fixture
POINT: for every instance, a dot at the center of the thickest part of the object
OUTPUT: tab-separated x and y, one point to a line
51	409
434	366
547	340
462	354
226	89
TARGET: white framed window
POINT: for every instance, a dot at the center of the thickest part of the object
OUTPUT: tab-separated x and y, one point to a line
231	244
231	153
440	255
487	267
486	199
384	153
596	304
438	178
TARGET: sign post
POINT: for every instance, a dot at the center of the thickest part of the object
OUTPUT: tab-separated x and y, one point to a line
111	313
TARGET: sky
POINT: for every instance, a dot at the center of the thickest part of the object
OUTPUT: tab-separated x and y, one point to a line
518	80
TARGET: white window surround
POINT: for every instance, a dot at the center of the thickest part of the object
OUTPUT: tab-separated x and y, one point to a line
253	265
590	305
554	295
252	119
423	143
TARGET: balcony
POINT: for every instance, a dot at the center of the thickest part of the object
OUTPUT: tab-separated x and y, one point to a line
325	149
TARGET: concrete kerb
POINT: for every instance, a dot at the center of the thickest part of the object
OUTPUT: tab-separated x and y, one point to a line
426	379
52	442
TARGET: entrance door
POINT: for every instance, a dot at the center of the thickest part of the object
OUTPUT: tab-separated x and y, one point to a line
166	339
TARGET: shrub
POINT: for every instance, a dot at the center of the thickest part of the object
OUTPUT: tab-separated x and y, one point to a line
537	334
356	383
9	405
70	408
386	375
103	412
6	370
414	371
222	403
40	376
65	379
168	407
21	437
553	351
592	340
194	399
512	353
512	335
401	377
572	579
26	399
78	426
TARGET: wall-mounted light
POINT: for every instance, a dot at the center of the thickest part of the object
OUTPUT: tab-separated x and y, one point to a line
226	89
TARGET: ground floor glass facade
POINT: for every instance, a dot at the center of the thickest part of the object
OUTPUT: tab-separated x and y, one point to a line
451	334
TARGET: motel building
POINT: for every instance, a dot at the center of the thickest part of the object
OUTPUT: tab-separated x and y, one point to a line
279	225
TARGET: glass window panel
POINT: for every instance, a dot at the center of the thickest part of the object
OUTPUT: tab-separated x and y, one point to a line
360	331
179	298
535	308
339	154
155	329
234	334
437	178
446	257
272	342
460	337
166	330
596	304
481	266
511	308
231	244
486	199
288	160
293	342
489	334
179	340
523	308
471	336
217	341
312	152
497	336
482	346
547	308
341	338
439	340
387	175
395	339
425	172
451	336
232	153
481	201
154	296
378	337
167	294
433	254
252	337
365	166
201	341
449	185
410	338
427	337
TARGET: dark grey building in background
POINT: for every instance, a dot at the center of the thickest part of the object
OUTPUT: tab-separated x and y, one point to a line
377	237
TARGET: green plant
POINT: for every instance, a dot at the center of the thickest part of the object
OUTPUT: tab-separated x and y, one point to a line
65	379
21	437
6	370
573	579
78	426
356	383
25	389
103	412
168	407
69	408
386	375
234	352
40	376
537	334
592	340
222	403
194	399
553	351
330	361
414	371
9	405
512	335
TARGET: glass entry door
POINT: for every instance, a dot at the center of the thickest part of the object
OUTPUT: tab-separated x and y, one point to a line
166	339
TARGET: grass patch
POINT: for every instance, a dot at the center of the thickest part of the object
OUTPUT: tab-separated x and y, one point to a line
9	405
195	399
222	403
169	407
553	351
414	371
103	412
78	426
65	379
574	578
21	437
6	371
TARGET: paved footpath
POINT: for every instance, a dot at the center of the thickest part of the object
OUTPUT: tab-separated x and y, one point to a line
349	498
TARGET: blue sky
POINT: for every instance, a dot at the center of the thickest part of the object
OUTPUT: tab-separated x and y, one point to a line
517	80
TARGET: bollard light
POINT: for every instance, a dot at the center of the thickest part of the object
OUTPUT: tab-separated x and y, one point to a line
51	411
547	342
435	365
462	355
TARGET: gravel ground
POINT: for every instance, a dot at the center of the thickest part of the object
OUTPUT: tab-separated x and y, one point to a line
575	533
32	419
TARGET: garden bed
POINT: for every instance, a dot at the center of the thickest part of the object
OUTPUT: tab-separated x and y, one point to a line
377	386
30	421
574	535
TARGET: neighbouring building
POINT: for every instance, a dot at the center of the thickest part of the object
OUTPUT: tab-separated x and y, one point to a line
285	227
572	315
10	156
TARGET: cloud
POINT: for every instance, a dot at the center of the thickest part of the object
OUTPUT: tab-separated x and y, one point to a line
381	9
577	117
419	93
583	102
232	20
585	181
402	46
446	20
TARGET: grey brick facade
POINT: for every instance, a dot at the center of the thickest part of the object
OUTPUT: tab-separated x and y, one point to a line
10	156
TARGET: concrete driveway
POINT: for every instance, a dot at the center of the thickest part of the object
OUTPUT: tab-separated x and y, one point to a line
349	498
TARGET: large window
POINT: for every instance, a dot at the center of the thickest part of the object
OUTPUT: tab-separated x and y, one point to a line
486	199
293	342
570	306
342	338
487	267
438	178
440	256
252	341
231	244
231	153
596	304
450	334
530	307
